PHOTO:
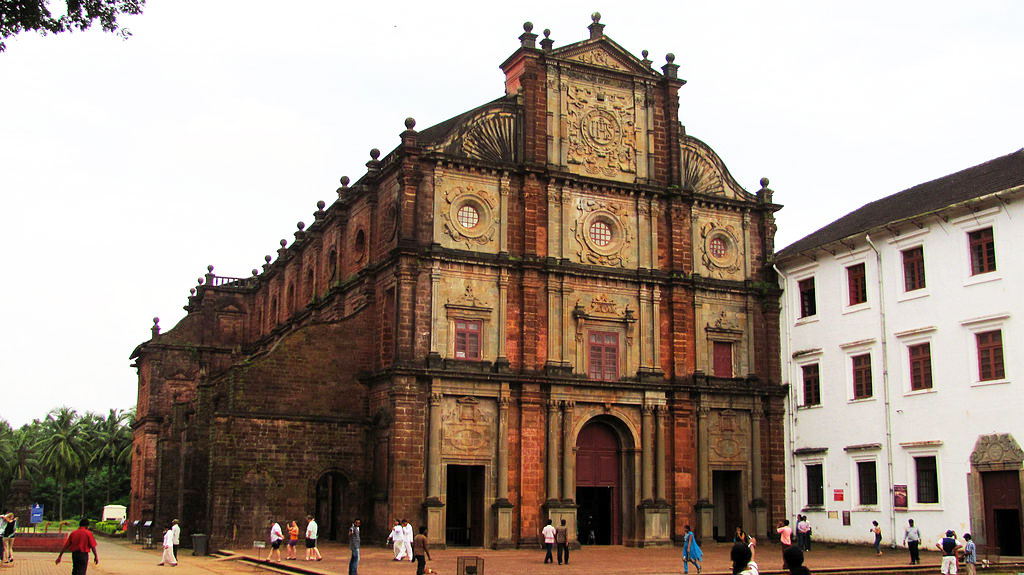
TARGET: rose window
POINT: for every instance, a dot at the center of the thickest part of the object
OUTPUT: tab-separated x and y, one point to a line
717	247
468	216
600	234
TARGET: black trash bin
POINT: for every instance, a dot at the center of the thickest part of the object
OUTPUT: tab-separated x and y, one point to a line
199	543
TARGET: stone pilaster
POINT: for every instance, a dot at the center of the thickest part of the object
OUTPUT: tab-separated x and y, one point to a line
758	503
659	454
568	455
647	455
434	506
502	506
704	504
553	437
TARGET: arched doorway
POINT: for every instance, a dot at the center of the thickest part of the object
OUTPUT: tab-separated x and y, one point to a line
330	494
598	485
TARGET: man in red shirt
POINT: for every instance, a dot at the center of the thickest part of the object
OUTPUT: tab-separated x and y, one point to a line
80	542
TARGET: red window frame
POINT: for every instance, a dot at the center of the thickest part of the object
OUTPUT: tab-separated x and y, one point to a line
990	355
983	251
920	366
722	358
862	376
856	280
913	269
808	306
604	355
812	385
467	339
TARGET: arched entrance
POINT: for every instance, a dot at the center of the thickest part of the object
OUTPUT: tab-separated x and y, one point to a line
330	494
598	484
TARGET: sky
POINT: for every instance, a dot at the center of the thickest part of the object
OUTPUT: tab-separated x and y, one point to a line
128	166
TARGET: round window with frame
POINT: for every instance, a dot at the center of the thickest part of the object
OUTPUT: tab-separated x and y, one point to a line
468	216
600	233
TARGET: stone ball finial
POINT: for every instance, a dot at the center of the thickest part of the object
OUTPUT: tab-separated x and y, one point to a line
283	243
644	53
596	17
527	27
547	32
209	269
255	272
764	182
670	57
374	154
301	226
156	320
345	181
410	123
320	205
267	258
192	291
200	280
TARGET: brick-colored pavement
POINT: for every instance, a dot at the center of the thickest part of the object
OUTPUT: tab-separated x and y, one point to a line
117	557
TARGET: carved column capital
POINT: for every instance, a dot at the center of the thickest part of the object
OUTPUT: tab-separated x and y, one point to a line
435	398
569	404
503	402
552	405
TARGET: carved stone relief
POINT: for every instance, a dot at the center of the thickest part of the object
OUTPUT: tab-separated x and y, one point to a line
601	131
997	452
598	57
603	232
468	426
720	249
730	436
469	214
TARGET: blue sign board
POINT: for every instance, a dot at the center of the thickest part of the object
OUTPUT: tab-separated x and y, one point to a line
37	513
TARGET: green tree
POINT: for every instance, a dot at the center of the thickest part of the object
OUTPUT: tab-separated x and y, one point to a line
60	450
18	16
112	444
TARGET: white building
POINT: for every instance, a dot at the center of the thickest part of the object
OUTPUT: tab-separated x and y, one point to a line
903	344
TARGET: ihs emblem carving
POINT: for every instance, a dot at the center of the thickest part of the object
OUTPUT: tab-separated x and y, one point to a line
602	131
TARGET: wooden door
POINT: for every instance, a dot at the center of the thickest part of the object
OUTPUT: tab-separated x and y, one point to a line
597	465
1001	492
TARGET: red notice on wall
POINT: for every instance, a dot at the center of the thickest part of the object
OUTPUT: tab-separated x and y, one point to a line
837	495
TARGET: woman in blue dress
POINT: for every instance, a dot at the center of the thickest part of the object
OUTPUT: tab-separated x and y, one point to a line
691	551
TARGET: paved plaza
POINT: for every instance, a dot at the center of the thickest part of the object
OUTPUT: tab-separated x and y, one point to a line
118	557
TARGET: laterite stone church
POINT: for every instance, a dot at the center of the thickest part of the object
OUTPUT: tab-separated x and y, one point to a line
557	304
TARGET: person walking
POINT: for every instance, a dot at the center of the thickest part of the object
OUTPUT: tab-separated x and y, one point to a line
80	542
912	539
407	538
293	540
878	537
949	547
562	542
276	537
420	550
311	532
168	555
548	533
785	537
176	532
353	545
691	551
396	537
970	555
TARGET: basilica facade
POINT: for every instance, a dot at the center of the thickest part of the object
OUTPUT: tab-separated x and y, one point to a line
555	305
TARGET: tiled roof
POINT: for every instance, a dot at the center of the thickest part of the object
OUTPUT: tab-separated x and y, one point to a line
993	176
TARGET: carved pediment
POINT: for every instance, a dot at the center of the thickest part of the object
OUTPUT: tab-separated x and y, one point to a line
468	300
997	451
604	53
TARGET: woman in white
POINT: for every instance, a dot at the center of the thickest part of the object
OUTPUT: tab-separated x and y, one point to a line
397	538
168	556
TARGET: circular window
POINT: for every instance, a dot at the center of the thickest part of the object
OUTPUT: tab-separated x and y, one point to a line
600	233
717	247
468	216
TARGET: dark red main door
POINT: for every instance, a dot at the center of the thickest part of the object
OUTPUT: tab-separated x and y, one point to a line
597	484
1001	490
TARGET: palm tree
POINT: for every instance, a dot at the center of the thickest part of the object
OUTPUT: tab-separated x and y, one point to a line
60	450
113	439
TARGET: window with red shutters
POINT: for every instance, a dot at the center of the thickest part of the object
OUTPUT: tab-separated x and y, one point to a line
467	339
990	355
857	282
920	366
812	389
862	376
983	251
723	359
913	269
604	355
808	306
